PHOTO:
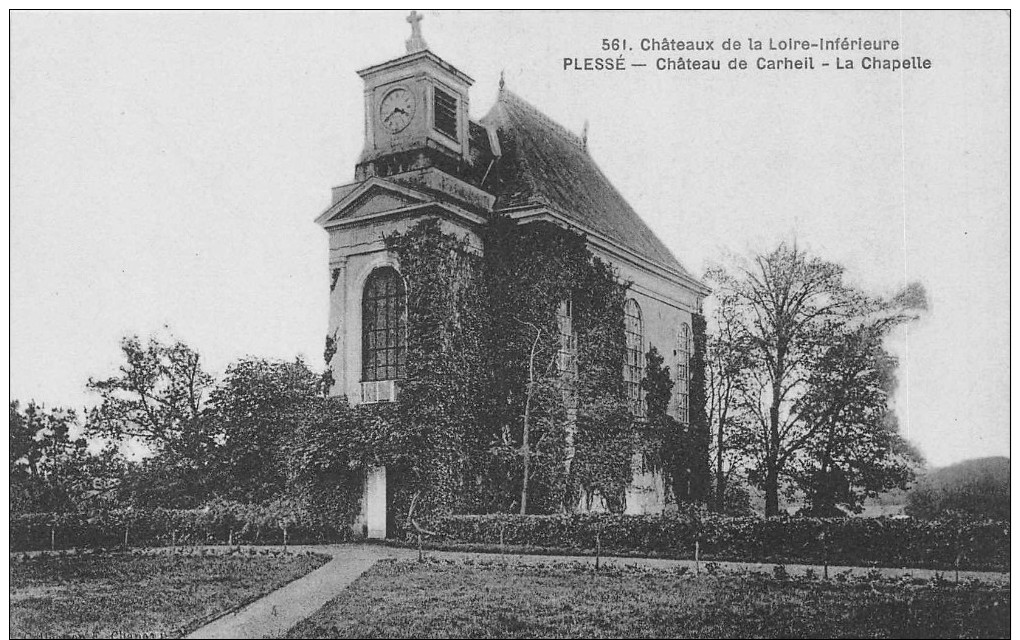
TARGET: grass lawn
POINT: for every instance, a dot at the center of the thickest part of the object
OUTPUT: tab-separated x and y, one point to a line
408	599
126	595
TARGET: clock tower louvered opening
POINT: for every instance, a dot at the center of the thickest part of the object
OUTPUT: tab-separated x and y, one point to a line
445	110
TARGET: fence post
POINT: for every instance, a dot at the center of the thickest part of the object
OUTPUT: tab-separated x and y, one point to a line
598	545
697	557
127	525
959	551
825	556
53	538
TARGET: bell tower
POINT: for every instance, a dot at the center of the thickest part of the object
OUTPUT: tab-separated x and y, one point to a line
416	111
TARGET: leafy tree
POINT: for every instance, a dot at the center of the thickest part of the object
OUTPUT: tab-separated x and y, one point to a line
698	424
663	438
794	310
255	414
679	450
50	468
857	451
168	480
658	386
156	400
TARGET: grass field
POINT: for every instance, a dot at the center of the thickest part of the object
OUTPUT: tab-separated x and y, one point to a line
504	601
138	595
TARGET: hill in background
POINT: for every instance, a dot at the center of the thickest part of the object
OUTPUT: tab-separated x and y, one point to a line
976	488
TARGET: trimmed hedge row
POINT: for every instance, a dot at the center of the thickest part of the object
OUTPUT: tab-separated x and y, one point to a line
839	541
218	523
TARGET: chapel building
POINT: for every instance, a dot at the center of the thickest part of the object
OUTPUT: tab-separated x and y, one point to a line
424	157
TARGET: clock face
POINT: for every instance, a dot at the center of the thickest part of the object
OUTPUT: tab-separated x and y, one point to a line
396	110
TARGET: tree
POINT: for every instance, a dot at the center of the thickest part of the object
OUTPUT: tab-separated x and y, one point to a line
793	309
155	404
727	358
680	450
857	451
156	399
541	383
698	425
254	413
50	468
663	437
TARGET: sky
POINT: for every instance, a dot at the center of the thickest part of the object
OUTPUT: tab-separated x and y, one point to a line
166	169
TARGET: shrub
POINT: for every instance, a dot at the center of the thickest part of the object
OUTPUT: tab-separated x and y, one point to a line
849	541
218	522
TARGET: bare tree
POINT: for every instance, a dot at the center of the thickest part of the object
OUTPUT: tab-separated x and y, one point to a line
539	380
726	362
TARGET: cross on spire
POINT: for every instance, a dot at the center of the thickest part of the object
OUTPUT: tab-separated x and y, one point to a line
416	43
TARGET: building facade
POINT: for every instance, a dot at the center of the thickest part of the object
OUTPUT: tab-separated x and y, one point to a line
424	157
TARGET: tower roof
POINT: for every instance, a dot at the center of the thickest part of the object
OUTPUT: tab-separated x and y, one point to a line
543	163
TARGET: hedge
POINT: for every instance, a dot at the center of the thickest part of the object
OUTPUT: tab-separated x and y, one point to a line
888	542
218	523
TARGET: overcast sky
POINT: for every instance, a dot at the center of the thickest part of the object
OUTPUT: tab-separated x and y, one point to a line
166	169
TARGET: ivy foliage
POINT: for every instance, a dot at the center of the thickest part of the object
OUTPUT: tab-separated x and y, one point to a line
661	431
606	430
255	412
678	450
700	430
438	404
496	411
483	351
531	271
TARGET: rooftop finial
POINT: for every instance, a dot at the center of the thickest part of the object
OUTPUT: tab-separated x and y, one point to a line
416	43
502	79
584	136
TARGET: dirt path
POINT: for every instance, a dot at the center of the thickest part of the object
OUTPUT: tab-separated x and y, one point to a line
272	615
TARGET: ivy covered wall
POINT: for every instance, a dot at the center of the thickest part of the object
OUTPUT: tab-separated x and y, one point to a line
531	271
483	360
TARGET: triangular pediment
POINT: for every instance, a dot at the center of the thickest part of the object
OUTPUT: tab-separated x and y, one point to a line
373	196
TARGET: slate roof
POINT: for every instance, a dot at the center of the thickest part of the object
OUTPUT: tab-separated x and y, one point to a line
481	152
543	163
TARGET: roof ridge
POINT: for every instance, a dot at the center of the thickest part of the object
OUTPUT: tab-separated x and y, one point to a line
552	167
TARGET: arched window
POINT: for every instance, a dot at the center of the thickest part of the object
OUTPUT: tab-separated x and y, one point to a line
383	326
683	358
634	367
